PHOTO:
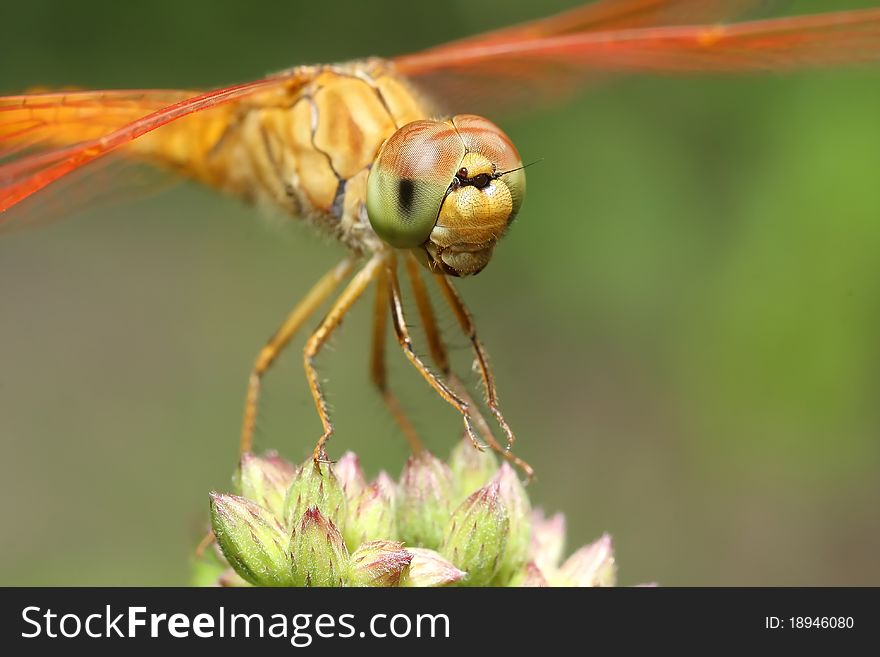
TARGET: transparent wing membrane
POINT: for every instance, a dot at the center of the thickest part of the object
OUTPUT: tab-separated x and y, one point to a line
513	73
620	15
44	137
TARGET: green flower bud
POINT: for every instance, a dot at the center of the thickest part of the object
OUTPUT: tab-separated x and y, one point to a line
315	486
592	565
477	535
471	468
351	477
252	540
529	576
370	517
317	551
424	500
378	563
519	510
265	480
388	487
548	541
428	568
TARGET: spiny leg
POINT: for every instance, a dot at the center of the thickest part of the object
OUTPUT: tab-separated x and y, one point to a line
403	338
205	543
282	337
378	372
423	302
470	330
331	321
438	352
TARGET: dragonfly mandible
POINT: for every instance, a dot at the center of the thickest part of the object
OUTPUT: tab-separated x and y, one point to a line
386	156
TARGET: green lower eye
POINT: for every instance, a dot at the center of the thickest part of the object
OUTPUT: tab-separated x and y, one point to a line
402	211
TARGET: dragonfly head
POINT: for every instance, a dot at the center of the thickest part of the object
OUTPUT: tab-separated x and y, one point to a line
448	190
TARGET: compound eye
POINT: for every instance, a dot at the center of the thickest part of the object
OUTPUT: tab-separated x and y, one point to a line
484	137
409	181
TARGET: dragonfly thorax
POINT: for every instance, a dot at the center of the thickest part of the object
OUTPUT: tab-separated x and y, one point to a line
446	189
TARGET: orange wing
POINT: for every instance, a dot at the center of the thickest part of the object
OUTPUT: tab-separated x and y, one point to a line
511	67
617	15
35	119
46	136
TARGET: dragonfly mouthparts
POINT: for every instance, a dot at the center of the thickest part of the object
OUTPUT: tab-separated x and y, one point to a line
479	181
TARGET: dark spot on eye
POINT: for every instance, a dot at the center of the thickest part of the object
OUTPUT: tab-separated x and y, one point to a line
462	173
405	191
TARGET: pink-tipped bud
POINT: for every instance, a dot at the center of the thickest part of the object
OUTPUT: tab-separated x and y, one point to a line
592	565
350	476
370	517
251	539
315	486
548	540
429	568
424	500
265	480
477	535
317	551
378	563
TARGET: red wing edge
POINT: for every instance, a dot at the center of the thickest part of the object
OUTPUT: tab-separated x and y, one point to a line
26	175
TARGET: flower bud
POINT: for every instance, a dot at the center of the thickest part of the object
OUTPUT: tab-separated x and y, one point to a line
519	510
471	468
370	517
252	540
529	576
378	563
548	541
315	486
592	565
317	551
265	480
477	535
350	476
428	568
388	487
424	500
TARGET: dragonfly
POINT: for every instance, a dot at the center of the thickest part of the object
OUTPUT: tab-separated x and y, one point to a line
387	157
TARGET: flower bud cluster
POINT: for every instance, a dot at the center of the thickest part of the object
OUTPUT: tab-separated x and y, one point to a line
464	522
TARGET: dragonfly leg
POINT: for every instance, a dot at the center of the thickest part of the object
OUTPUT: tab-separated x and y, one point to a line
423	302
206	542
276	344
318	339
441	360
378	372
482	359
438	350
403	338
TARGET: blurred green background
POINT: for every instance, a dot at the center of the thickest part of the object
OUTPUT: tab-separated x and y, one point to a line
684	322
